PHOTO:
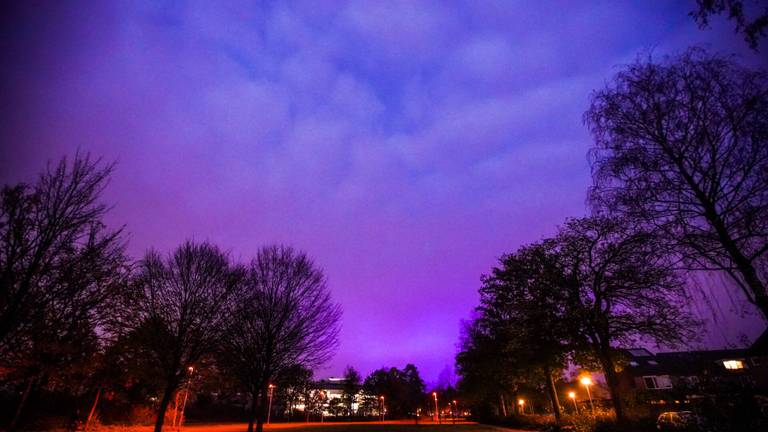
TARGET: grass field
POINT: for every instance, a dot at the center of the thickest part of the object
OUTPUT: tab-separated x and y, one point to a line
389	426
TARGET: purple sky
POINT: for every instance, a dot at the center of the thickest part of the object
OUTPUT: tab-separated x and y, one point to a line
404	145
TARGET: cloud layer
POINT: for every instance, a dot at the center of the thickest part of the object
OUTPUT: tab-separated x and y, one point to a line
403	144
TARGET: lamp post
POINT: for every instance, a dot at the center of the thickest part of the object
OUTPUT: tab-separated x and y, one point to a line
455	411
587	381
437	413
521	402
382	407
269	406
322	409
572	395
186	396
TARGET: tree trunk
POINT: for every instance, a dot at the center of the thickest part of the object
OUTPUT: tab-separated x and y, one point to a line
261	413
613	383
170	388
93	409
503	405
22	404
254	410
748	272
552	391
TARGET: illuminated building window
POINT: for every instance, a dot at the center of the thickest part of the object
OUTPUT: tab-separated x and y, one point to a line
733	364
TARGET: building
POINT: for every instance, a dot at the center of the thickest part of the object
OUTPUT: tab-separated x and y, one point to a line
690	374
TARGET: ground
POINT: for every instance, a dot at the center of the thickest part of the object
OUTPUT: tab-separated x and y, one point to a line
388	426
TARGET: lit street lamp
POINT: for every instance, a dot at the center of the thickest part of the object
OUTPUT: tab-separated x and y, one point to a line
269	407
572	395
186	396
587	381
322	409
382	407
521	402
437	413
455	411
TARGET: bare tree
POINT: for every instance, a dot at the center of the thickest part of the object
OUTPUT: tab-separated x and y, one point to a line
59	266
56	257
618	288
285	317
751	19
682	145
179	309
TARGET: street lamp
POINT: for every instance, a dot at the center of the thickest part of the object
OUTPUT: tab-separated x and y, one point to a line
190	370
322	409
455	411
587	381
521	402
269	407
572	395
437	413
382	407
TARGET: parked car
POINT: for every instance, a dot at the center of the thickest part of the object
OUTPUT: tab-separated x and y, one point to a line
681	421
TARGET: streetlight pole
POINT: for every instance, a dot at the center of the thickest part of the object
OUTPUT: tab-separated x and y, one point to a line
382	407
455	411
587	381
322	408
521	402
186	395
437	413
572	395
269	406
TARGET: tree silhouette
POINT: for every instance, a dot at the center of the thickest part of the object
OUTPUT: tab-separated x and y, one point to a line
351	387
522	302
179	309
59	267
753	25
682	146
618	289
284	317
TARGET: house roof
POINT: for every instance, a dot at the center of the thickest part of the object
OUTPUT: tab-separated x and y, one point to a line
687	363
684	363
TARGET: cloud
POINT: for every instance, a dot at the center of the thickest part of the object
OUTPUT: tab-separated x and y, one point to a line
404	144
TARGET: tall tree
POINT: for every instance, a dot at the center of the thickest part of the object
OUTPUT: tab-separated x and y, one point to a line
58	262
619	289
351	388
682	145
284	317
488	372
522	302
403	390
59	267
179	309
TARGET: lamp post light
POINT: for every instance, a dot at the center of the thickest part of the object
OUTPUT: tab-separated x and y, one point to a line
455	411
587	381
269	406
382	407
572	395
437	413
190	370
322	409
521	402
